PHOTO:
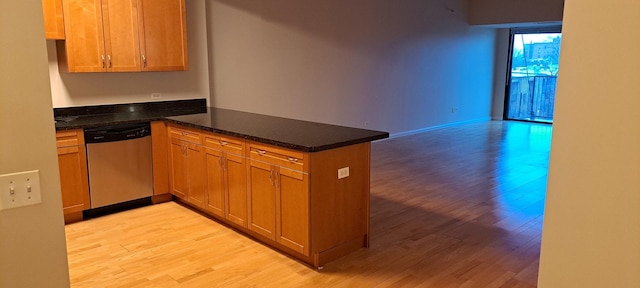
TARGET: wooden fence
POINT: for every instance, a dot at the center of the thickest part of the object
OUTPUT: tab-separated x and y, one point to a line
532	98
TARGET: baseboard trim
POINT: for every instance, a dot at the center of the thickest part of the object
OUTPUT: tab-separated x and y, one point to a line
430	128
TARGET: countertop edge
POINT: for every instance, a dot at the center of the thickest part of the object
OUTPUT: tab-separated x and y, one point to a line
309	149
301	148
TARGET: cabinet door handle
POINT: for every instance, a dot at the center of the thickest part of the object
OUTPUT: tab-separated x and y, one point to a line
109	58
144	61
103	65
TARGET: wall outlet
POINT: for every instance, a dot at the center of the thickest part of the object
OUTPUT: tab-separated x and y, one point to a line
343	172
156	95
20	189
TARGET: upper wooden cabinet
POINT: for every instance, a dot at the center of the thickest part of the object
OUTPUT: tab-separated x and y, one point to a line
164	35
53	19
123	36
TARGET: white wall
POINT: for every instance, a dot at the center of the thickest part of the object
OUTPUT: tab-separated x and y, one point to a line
393	66
32	241
84	89
591	233
499	12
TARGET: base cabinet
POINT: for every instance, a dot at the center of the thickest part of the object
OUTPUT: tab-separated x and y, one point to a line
72	162
293	201
225	178
279	196
186	159
262	200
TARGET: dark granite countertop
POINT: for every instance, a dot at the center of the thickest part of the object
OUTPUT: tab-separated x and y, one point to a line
283	132
107	115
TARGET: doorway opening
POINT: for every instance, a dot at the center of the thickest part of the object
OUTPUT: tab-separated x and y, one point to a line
531	81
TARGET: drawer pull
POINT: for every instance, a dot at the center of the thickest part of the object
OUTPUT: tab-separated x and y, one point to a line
261	152
292	160
223	143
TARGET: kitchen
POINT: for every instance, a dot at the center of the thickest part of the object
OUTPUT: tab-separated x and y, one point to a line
234	77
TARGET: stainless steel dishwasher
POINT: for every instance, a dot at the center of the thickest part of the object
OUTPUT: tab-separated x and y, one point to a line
119	161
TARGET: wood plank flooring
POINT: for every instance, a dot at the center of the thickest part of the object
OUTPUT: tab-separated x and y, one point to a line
453	207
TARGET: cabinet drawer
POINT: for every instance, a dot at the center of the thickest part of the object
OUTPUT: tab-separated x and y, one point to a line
68	138
185	134
224	143
289	159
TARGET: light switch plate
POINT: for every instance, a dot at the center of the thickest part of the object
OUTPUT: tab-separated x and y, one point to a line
343	172
20	189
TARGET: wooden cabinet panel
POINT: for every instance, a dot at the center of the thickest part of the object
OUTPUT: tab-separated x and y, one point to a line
187	166
185	134
74	181
122	45
164	26
195	166
293	217
178	177
160	150
277	175
84	44
72	162
215	187
262	200
53	19
236	186
226	178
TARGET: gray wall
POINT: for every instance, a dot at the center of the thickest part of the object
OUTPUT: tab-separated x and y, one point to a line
32	241
387	65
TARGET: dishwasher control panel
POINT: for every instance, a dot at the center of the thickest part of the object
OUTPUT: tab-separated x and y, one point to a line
117	133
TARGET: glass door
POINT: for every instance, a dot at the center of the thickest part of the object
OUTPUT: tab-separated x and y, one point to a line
534	71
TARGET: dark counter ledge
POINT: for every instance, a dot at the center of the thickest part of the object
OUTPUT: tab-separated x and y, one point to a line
106	115
298	135
283	132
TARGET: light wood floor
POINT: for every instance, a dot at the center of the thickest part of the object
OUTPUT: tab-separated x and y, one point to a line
454	207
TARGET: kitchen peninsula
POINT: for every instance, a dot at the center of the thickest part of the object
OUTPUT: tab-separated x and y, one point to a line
301	187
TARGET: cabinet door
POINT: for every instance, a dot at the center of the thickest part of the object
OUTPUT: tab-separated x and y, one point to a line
120	20
293	211
214	182
179	178
53	19
235	179
84	44
72	162
262	199
164	35
195	167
